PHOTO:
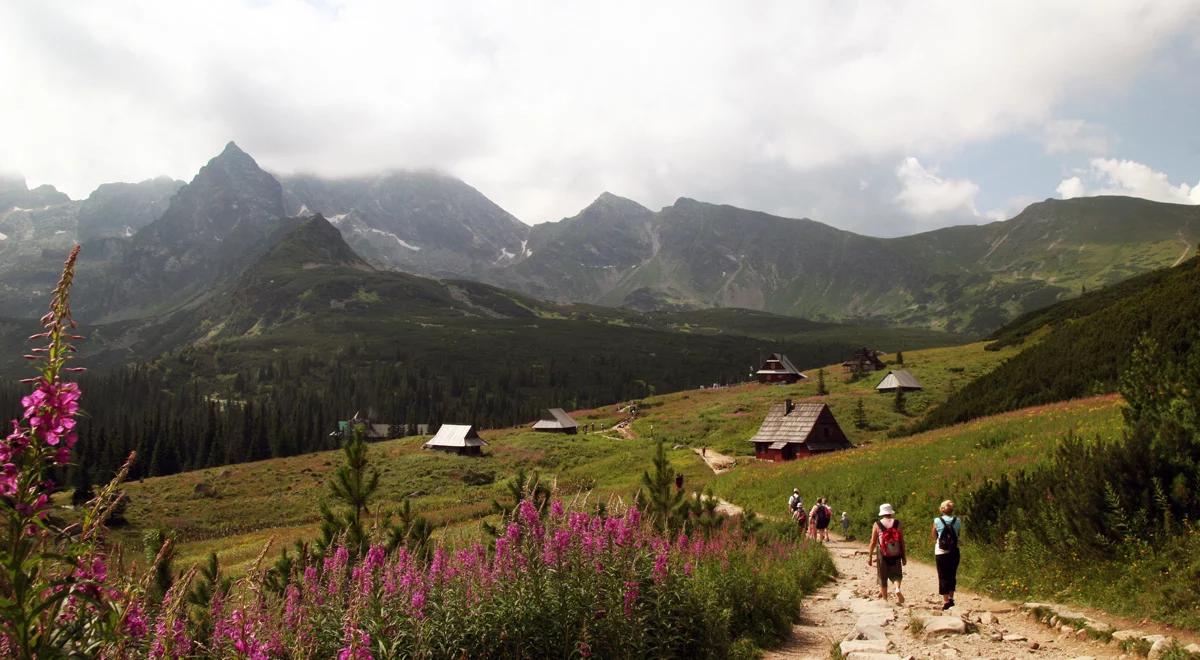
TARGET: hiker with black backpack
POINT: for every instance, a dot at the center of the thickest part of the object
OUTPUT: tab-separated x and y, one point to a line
821	516
946	531
888	551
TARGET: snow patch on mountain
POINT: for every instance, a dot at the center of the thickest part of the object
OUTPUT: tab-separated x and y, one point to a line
3	236
403	243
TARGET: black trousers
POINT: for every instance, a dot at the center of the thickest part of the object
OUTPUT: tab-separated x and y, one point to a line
947	568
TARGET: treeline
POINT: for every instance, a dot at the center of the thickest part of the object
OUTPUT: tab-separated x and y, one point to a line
1087	348
194	410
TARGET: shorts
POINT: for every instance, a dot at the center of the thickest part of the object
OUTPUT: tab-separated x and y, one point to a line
890	568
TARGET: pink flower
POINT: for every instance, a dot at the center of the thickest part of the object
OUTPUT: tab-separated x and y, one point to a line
630	598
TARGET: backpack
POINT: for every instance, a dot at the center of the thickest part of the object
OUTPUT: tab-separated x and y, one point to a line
948	538
822	515
891	540
799	516
793	502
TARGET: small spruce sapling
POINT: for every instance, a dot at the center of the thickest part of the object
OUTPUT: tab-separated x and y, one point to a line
822	390
352	485
860	415
658	496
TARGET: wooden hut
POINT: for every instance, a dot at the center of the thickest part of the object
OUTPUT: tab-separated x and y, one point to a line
863	360
778	369
792	431
556	420
457	438
899	380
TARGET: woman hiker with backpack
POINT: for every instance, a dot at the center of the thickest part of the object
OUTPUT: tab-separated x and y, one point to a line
946	530
821	515
887	540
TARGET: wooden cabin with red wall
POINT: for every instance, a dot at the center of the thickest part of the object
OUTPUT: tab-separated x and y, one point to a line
791	431
778	369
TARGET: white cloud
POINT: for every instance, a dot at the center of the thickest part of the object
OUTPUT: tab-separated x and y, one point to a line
1109	176
1069	136
541	105
1071	188
925	194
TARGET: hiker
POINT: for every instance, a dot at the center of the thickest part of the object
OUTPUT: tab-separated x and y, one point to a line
946	531
794	500
887	540
845	526
821	515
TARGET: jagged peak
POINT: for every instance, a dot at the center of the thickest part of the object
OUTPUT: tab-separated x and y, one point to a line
312	241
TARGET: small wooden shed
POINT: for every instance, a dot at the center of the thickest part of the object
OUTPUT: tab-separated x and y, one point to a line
778	369
556	420
791	431
457	438
899	380
864	360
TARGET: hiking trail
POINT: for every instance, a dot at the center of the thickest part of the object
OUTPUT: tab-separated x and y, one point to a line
847	612
718	462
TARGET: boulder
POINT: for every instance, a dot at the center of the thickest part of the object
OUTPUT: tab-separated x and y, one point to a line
1014	637
869	631
1122	635
1159	646
1192	648
937	626
987	618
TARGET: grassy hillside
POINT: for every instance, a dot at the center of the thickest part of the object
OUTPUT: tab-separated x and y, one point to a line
244	513
914	474
1082	346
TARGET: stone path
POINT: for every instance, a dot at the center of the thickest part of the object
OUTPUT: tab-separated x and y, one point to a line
848	613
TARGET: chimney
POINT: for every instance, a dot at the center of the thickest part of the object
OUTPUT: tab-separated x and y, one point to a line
787	406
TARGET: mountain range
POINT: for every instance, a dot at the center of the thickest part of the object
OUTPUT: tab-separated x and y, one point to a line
161	245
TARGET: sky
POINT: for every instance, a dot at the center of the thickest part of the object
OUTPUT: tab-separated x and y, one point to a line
885	118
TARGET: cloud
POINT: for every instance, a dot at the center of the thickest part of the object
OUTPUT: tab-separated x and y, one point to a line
1109	176
1071	136
1071	188
541	105
924	194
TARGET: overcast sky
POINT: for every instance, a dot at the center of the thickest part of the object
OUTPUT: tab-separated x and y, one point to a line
882	117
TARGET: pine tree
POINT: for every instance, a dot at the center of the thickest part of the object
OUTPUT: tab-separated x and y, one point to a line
351	485
898	403
520	488
658	496
860	414
821	389
160	553
899	357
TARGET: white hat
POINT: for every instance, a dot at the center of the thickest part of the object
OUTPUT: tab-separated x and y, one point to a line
795	490
886	510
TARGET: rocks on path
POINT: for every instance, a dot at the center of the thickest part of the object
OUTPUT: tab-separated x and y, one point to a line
848	614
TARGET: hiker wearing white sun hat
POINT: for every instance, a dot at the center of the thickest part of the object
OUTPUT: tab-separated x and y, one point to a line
887	541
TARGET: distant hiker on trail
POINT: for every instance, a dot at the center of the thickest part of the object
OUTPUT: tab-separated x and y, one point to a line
821	515
887	540
794	500
845	525
946	531
796	510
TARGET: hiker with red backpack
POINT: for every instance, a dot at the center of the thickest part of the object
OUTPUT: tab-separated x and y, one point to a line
887	541
946	531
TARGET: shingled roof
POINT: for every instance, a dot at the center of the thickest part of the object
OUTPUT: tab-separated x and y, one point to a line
782	427
456	435
555	418
898	379
788	367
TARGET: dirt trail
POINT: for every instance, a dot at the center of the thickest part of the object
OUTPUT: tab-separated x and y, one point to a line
848	608
720	463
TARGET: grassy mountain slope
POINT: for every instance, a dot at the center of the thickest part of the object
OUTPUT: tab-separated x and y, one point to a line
1080	347
242	516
